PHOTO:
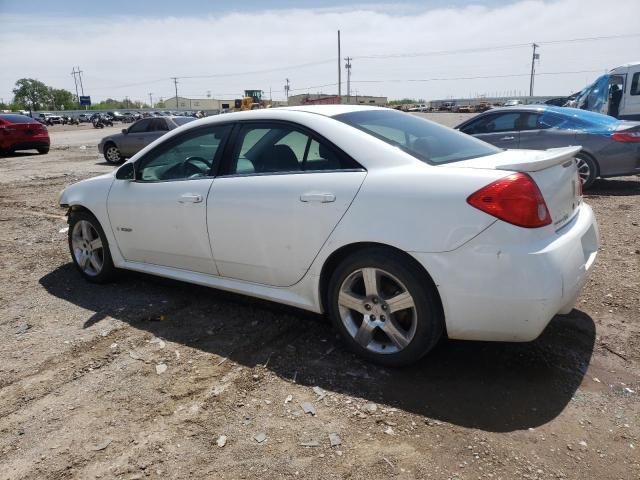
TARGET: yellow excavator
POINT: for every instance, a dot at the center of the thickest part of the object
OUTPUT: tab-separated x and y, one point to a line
252	101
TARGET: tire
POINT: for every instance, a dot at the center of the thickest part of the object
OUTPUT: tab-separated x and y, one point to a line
112	154
43	150
84	230
389	338
587	170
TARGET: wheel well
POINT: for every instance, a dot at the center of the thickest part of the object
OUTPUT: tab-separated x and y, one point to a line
343	252
78	208
593	159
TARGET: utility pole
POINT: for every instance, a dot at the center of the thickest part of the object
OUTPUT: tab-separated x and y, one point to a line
286	89
339	70
175	83
73	72
151	99
79	72
534	57
348	67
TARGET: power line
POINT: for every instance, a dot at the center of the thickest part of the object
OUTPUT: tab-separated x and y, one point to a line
253	72
493	47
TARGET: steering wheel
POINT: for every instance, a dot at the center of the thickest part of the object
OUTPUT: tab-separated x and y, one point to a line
194	167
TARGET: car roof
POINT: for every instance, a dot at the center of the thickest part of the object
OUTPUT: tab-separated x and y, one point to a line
331	110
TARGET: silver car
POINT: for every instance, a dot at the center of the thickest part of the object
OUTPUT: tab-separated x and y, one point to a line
118	147
610	147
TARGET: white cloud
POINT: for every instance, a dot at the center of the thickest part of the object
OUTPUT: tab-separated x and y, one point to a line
143	53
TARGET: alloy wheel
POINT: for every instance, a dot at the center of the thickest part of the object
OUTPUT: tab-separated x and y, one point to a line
113	154
584	170
87	247
377	310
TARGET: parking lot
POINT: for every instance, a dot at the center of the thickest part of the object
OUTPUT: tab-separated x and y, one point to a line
141	378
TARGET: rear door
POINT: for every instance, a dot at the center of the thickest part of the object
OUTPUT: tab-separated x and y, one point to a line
280	195
498	129
538	131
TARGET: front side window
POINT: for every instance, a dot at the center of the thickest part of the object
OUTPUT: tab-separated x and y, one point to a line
190	156
140	126
425	140
282	148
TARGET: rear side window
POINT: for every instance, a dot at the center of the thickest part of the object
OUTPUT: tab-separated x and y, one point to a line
635	84
425	140
282	148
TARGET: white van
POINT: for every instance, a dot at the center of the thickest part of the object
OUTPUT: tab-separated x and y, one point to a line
616	93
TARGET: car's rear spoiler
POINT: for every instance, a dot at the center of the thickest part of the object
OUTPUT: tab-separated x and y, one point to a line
545	159
521	160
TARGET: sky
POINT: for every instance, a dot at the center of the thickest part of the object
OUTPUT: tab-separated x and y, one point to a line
416	49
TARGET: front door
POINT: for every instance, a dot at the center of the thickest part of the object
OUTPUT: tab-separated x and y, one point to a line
498	129
160	218
277	201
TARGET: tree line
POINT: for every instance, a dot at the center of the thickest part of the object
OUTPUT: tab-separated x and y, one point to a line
31	94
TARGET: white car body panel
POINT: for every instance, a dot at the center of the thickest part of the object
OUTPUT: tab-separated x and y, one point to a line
268	228
496	281
162	223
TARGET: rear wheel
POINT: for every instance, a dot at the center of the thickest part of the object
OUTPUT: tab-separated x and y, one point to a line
89	248
43	150
112	154
384	308
587	170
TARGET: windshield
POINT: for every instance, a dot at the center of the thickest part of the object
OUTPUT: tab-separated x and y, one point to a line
425	140
183	120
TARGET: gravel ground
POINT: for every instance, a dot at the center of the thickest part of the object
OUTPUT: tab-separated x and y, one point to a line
149	378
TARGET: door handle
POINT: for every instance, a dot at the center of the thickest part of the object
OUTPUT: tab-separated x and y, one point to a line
318	197
190	198
508	138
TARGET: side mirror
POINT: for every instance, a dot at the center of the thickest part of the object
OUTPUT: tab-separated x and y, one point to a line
126	172
125	130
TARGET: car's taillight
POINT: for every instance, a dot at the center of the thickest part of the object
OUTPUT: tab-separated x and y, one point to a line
516	199
627	137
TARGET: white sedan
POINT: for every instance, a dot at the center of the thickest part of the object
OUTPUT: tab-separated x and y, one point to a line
400	229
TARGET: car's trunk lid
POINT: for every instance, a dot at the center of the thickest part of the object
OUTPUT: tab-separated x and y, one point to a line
553	170
27	129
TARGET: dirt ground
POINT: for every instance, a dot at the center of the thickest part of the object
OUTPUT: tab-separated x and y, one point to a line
142	378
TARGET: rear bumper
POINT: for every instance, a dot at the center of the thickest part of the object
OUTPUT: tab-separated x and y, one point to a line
30	144
498	290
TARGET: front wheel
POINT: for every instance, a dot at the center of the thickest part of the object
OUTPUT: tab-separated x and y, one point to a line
384	308
89	248
43	150
112	154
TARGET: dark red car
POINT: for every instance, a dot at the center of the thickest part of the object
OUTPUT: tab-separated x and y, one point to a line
19	132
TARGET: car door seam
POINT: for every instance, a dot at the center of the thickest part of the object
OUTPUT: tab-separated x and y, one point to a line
331	232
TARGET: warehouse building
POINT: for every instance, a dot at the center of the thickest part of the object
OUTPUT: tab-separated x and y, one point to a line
325	99
184	103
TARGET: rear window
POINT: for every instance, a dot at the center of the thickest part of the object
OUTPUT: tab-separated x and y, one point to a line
183	120
425	140
577	119
15	118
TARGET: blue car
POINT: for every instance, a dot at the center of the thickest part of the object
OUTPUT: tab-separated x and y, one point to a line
610	147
